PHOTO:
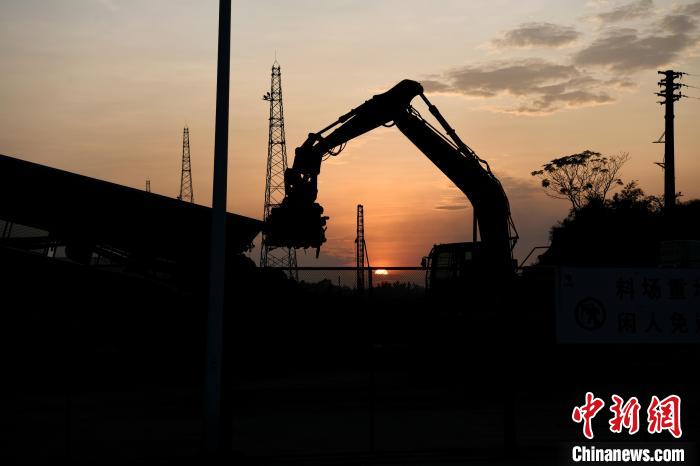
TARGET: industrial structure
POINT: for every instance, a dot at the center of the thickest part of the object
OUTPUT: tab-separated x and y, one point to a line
270	255
668	93
299	220
361	252
186	191
84	220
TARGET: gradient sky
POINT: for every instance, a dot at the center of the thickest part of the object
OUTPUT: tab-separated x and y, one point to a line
104	87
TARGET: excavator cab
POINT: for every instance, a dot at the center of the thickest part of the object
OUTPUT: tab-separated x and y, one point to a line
449	266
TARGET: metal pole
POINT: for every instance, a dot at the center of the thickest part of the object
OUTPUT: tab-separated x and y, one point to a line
669	149
217	258
359	250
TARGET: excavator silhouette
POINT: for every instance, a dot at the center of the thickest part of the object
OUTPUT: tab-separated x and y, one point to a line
299	222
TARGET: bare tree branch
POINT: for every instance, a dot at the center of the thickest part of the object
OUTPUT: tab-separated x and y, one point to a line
582	177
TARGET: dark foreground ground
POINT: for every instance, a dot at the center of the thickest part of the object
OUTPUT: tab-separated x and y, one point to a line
105	368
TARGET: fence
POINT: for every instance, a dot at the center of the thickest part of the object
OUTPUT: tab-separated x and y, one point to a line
404	280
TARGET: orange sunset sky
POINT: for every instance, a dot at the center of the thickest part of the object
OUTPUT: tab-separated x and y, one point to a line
104	87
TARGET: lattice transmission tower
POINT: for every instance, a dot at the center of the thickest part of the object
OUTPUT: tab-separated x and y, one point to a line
361	253
276	165
186	192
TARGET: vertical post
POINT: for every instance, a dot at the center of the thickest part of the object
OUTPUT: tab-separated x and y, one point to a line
669	146
217	258
669	95
360	250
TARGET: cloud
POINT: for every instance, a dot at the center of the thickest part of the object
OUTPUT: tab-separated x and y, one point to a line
541	86
537	35
677	24
692	9
621	83
549	103
626	12
516	187
452	198
518	77
455	206
627	50
434	85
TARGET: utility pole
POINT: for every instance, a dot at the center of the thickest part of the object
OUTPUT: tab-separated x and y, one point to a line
186	192
669	95
274	182
148	186
214	443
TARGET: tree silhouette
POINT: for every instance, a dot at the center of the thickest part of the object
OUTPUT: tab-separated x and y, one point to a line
626	230
581	177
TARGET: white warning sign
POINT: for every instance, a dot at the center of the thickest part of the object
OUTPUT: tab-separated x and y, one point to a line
610	305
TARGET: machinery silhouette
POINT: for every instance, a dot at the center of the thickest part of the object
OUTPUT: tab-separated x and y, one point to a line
299	221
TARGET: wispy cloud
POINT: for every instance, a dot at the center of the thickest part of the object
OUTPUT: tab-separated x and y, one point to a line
516	187
456	206
692	9
519	187
626	12
452	199
541	86
628	50
537	35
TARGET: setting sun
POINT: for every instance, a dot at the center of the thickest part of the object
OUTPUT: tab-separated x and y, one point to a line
381	272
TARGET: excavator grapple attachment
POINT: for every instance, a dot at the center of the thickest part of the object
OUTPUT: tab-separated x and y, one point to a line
296	226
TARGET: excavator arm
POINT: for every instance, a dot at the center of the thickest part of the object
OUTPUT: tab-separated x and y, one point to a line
299	221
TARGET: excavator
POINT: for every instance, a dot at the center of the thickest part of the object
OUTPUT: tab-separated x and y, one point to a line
298	222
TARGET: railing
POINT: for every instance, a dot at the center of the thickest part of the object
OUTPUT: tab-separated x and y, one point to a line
524	261
408	279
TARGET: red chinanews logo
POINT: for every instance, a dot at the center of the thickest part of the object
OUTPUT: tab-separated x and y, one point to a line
662	415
